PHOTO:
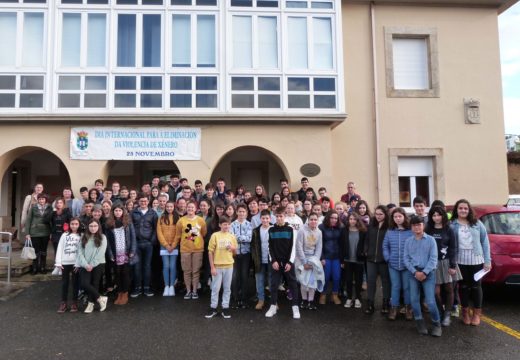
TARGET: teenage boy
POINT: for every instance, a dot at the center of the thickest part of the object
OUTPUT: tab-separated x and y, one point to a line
220	191
419	205
420	258
174	187
260	255
242	230
145	224
199	191
77	203
322	191
301	193
221	248
263	204
99	185
282	253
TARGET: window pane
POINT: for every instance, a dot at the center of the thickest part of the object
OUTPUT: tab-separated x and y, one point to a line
180	100
31	83
69	83
8	39
68	100
181	41
324	84
297	43
321	5
95	101
180	83
242	101
31	100
32	53
268	84
299	101
71	1
206	83
242	46
95	83
206	101
151	83
267	42
404	191
151	40
71	40
206	41
324	101
322	43
7	100
181	2
410	58
267	3
269	101
97	1
125	83
126	40
242	83
298	84
7	82
241	3
126	2
206	2
151	100
124	100
152	2
296	4
96	46
422	188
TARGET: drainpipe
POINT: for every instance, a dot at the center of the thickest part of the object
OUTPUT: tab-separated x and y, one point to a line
376	99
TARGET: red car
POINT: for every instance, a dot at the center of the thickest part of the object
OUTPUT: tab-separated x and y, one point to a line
503	227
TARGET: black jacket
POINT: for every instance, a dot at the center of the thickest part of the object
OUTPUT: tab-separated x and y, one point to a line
130	242
145	225
58	221
374	244
360	249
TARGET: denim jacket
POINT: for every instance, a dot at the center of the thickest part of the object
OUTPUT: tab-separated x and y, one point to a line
480	239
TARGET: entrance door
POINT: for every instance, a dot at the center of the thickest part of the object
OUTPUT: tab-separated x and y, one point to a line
249	174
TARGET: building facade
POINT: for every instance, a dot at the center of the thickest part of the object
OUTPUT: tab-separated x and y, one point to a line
401	97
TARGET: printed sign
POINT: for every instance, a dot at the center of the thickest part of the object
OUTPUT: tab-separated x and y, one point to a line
134	143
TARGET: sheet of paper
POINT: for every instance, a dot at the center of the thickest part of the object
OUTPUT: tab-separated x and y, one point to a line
479	275
165	252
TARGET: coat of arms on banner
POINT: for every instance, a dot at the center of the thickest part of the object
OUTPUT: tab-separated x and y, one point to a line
82	140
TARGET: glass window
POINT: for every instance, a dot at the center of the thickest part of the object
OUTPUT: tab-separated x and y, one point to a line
31	82
69	83
297	42
7	100
206	2
324	101
96	40
206	100
151	40
268	84
125	83
206	41
8	39
180	100
31	100
181	40
324	84
124	100
247	3
69	100
299	101
322	48
151	100
242	83
95	101
33	30
269	101
180	83
151	83
242	45
298	84
206	83
181	2
71	40
126	40
7	82
95	83
243	101
296	4
267	3
267	42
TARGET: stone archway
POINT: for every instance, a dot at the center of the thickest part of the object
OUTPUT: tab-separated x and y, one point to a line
249	166
133	173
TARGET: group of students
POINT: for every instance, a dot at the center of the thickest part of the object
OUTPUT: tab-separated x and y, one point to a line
294	239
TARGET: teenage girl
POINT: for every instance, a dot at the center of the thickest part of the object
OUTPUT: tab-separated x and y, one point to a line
353	257
169	250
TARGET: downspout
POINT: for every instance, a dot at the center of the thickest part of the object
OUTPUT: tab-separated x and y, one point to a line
376	99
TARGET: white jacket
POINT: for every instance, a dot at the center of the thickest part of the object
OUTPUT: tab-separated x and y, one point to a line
67	249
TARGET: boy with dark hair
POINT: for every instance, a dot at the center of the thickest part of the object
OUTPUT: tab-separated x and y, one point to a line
221	248
419	205
260	255
282	253
303	190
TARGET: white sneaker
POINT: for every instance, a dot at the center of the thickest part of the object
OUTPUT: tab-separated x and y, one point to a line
295	312
171	291
89	308
271	312
348	303
357	304
281	288
199	286
166	291
102	303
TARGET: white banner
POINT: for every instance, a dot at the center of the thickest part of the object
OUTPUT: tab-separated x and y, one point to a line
134	143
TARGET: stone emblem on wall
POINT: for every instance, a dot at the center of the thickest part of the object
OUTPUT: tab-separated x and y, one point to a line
472	111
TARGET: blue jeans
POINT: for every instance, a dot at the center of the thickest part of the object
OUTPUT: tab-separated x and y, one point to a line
260	281
332	269
400	281
428	286
222	279
169	269
144	266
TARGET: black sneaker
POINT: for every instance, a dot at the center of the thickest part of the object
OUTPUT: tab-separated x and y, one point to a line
312	306
135	293
304	304
211	313
148	292
225	314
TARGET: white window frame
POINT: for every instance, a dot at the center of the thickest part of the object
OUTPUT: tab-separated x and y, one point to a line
82	92
193	92
255	92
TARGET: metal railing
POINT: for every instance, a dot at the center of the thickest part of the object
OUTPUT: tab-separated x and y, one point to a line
9	252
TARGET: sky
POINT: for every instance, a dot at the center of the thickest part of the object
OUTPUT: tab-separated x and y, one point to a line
509	27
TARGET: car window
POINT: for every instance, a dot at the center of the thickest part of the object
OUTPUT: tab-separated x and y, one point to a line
502	223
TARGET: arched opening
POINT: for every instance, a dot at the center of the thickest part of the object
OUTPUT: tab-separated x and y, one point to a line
133	174
249	166
27	166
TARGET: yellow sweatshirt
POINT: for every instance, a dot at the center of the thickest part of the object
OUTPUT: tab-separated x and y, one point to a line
166	233
222	257
190	234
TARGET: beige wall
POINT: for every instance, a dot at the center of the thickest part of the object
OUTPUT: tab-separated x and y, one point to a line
469	66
